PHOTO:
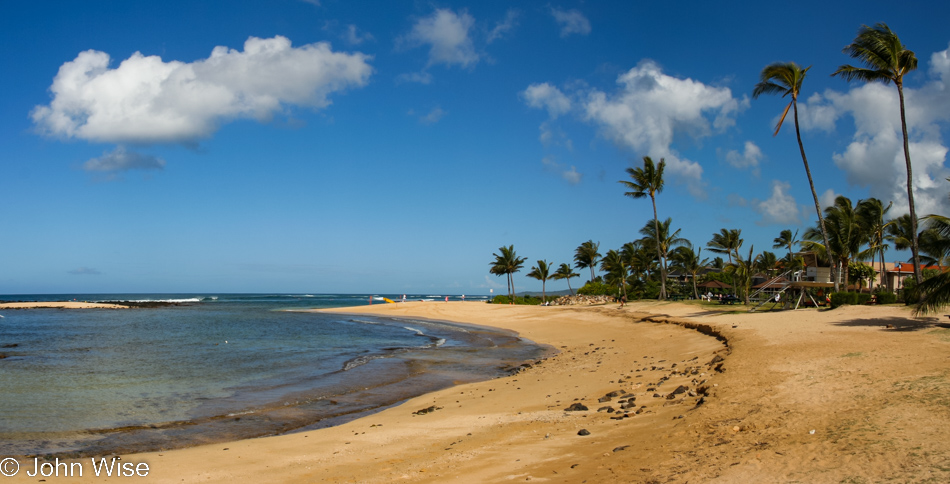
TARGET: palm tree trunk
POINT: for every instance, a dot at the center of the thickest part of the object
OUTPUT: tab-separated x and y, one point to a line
811	183
659	253
914	247
887	281
569	286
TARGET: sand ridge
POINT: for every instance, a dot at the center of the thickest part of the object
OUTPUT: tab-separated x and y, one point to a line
876	397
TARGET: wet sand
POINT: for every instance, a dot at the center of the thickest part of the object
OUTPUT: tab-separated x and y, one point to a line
857	394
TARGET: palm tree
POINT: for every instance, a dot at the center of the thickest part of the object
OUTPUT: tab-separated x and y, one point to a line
744	269
786	79
507	263
846	236
639	258
786	239
901	231
565	272
727	242
871	213
586	255
542	273
887	61
649	181
936	290
689	262
767	262
615	270
935	241
657	235
935	293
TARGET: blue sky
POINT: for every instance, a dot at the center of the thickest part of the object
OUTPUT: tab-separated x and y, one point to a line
391	147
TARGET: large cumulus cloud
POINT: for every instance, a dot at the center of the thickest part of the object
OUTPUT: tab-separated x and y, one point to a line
147	100
875	156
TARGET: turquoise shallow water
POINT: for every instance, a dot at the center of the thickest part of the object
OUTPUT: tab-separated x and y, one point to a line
218	368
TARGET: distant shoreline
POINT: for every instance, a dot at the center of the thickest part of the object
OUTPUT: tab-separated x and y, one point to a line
84	304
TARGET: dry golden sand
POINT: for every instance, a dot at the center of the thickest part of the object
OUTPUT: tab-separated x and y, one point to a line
876	397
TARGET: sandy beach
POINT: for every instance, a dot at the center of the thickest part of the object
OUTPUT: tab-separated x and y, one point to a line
856	394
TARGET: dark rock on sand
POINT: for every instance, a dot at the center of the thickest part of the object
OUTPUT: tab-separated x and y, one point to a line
680	389
426	410
577	407
583	432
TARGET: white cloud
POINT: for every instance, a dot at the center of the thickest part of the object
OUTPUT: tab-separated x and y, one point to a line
546	96
147	100
815	113
651	107
354	36
121	159
447	35
420	77
875	156
571	175
503	27
749	158
780	208
571	21
826	199
940	64
433	117
553	136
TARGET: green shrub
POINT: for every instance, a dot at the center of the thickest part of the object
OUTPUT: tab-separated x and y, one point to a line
863	298
596	288
886	298
841	298
527	300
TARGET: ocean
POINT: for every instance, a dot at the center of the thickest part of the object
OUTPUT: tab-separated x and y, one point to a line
220	367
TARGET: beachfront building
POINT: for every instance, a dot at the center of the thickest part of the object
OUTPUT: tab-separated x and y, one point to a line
898	271
815	270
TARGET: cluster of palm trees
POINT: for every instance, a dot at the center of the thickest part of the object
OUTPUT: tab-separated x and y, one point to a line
845	233
855	231
886	60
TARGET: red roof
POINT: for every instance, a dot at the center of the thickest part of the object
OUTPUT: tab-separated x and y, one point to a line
907	267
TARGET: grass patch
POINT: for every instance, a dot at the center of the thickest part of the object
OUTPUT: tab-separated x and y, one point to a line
942	333
852	355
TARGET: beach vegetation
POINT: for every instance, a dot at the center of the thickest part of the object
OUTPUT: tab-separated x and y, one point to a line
885	297
586	256
526	300
742	270
565	272
689	262
786	240
640	260
727	241
871	213
648	181
507	263
845	232
541	272
786	79
615	271
597	288
887	60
